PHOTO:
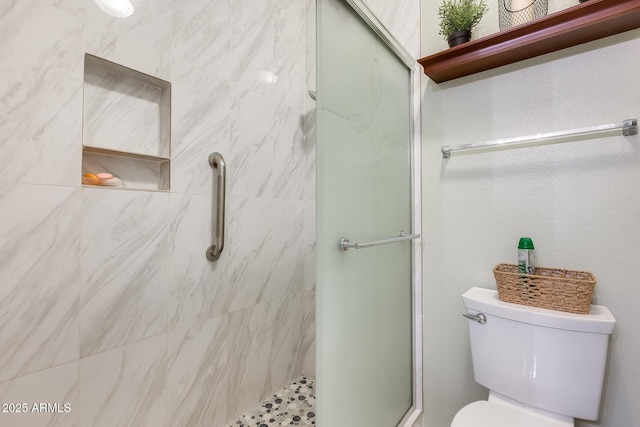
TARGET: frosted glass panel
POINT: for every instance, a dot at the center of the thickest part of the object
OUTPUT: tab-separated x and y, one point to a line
364	347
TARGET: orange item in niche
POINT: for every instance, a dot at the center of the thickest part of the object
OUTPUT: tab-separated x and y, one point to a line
90	179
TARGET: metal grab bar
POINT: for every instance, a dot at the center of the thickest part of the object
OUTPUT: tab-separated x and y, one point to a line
217	162
345	244
629	127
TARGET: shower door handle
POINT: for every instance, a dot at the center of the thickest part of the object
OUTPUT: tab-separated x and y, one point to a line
217	162
345	244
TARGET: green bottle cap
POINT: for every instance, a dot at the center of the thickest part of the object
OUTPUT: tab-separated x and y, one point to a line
525	243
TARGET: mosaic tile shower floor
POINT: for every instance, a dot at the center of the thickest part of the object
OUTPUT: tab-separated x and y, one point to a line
294	405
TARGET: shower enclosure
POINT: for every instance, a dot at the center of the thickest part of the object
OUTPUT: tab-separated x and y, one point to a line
365	240
109	304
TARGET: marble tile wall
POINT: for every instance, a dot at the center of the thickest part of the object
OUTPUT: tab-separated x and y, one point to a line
107	302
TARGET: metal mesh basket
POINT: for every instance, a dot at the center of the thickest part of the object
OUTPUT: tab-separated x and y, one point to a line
517	12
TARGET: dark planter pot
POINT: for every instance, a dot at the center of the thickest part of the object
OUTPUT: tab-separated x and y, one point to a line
459	37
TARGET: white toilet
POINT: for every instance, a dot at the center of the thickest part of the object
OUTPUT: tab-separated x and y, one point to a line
542	367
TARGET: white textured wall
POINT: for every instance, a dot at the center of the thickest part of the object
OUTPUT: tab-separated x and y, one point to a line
579	202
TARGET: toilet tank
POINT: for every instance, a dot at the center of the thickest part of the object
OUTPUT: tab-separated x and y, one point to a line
548	359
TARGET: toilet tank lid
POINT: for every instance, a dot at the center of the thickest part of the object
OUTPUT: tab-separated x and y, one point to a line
599	320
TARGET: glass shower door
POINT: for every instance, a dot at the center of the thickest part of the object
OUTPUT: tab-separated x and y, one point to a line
364	307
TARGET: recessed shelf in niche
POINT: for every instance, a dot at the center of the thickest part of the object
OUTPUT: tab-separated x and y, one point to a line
137	171
126	125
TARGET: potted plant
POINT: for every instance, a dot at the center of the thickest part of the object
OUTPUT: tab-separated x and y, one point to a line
458	17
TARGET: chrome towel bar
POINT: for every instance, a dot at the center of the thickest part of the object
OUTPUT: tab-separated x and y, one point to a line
628	127
217	162
345	244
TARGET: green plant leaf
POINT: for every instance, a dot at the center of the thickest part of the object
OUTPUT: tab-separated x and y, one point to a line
460	15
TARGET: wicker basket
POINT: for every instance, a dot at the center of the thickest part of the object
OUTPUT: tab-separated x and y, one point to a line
552	288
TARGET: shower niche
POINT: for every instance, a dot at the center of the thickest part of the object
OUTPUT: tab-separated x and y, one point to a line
126	127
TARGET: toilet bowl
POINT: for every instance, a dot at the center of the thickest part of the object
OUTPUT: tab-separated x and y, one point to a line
494	413
543	368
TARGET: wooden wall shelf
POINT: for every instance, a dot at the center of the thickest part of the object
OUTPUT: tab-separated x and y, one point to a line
583	23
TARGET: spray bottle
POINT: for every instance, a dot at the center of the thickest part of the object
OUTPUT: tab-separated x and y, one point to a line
526	256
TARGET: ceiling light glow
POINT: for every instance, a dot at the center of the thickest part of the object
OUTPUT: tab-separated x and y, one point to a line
116	8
